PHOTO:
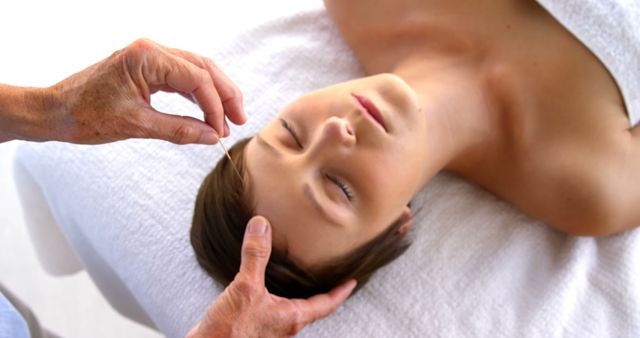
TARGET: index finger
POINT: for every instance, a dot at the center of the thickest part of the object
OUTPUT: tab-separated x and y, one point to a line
322	305
152	67
191	79
229	93
185	77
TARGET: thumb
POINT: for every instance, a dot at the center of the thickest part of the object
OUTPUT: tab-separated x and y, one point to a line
256	249
177	129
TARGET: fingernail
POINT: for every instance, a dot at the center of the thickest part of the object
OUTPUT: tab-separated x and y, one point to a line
208	137
349	286
257	226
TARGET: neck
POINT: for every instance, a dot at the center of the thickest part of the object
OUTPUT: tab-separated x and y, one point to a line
461	124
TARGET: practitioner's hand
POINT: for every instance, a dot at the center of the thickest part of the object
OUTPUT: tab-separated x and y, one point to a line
109	101
247	309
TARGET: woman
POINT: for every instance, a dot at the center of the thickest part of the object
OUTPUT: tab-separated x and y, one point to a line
497	92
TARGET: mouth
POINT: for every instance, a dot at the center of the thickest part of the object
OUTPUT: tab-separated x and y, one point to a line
371	109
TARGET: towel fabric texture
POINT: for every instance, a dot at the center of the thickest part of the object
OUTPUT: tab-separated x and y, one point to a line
477	267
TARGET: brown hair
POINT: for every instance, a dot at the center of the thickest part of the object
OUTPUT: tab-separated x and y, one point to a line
222	210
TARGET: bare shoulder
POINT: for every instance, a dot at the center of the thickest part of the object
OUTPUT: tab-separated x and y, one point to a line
581	187
572	160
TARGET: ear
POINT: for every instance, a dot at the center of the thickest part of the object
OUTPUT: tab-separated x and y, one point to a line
406	218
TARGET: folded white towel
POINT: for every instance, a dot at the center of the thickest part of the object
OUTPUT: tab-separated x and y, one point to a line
477	267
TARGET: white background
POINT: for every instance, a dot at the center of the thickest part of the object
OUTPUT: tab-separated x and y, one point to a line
42	42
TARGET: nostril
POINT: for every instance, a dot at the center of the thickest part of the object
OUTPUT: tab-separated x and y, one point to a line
349	130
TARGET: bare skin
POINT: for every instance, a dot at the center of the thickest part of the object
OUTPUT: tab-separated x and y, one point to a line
110	101
518	104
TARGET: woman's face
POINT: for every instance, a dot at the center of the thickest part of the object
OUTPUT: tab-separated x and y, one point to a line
338	166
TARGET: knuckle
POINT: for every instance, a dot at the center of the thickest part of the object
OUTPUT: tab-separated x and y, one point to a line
233	93
203	76
209	63
140	47
198	75
184	134
143	43
245	288
256	249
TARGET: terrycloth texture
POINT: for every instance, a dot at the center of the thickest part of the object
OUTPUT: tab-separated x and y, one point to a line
611	30
476	268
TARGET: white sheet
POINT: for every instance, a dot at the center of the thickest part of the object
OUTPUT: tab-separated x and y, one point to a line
477	267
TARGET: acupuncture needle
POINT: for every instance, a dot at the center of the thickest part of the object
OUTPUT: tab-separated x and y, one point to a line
230	160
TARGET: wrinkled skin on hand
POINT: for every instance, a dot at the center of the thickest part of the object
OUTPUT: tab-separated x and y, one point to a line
110	100
247	309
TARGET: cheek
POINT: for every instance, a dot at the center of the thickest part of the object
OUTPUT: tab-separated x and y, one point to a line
390	182
273	197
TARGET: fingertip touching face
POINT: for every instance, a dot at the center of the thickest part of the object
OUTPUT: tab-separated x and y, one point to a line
337	167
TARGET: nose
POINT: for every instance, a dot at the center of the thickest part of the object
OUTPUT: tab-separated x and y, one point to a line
338	130
335	133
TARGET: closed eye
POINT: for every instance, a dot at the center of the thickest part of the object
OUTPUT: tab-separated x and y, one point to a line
344	187
292	131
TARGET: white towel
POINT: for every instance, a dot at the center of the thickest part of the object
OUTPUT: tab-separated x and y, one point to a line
477	267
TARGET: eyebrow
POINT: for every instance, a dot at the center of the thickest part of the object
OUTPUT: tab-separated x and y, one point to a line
268	146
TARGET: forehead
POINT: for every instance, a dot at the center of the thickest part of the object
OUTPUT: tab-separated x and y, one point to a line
259	170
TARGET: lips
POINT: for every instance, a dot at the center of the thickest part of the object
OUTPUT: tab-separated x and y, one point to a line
371	109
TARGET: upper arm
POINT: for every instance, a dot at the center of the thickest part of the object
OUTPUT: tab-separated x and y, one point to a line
583	190
606	192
